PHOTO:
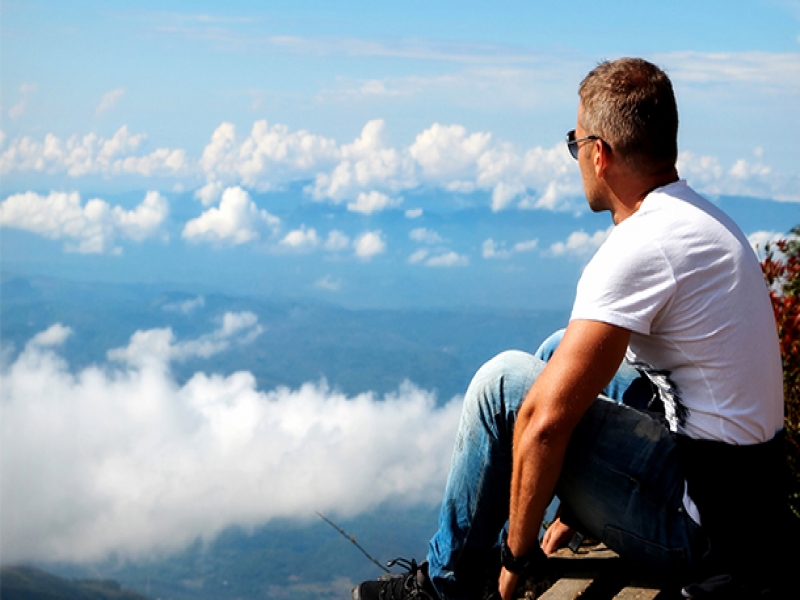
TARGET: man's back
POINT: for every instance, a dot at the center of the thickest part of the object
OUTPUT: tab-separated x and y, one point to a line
682	277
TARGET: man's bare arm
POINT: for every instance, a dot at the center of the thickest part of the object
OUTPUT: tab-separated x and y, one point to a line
586	359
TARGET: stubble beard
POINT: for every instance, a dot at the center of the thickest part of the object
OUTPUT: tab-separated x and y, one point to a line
596	199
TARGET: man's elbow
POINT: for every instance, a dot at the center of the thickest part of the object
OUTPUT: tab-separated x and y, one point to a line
543	429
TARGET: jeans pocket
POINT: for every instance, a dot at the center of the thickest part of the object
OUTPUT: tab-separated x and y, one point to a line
649	554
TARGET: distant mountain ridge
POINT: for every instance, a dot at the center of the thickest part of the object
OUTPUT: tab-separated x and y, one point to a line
354	350
30	583
297	559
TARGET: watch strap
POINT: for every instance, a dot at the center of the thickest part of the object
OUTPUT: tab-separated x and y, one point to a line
519	564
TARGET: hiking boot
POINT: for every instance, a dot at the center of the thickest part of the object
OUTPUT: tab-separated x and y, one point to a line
412	585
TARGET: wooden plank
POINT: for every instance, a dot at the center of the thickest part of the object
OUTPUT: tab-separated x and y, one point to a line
566	589
598	551
637	593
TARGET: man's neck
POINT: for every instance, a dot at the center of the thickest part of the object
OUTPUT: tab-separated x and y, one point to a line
631	191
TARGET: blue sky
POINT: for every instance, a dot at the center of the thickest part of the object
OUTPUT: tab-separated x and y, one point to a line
314	147
360	153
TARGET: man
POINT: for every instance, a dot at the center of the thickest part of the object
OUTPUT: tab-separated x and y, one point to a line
673	299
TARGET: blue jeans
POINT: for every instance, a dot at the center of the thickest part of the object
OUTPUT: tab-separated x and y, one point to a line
620	477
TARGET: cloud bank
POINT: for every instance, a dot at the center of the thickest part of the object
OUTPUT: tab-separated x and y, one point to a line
120	458
91	154
88	229
368	174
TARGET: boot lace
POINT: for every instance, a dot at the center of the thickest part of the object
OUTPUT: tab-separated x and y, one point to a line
407	585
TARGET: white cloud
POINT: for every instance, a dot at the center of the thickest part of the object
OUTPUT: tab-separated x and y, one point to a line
92	228
109	100
504	193
447	259
447	153
16	111
459	52
365	164
210	192
369	174
349	91
122	459
492	249
220	153
374	87
142	221
91	154
539	178
159	162
302	238
369	244
526	246
268	158
329	283
580	243
337	241
55	335
237	220
368	203
746	177
425	236
234	322
767	70
434	257
185	307
549	171
158	346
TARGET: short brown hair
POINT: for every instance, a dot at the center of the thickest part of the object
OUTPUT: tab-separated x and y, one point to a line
630	104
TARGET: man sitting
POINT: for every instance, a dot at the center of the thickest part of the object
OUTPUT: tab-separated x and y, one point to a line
671	315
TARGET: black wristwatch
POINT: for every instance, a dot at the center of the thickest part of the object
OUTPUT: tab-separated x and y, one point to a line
519	564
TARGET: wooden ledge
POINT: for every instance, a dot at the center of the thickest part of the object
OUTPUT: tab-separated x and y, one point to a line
593	573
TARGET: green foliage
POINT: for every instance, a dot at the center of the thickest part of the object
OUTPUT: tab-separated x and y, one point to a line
781	267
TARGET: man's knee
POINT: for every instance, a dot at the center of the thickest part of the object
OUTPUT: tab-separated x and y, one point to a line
549	346
502	382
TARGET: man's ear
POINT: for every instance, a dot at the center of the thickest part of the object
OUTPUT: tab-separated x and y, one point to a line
601	158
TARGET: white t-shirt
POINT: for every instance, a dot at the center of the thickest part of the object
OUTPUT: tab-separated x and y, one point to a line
682	277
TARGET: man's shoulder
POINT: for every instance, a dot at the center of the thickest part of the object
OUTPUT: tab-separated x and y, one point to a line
675	201
677	214
679	202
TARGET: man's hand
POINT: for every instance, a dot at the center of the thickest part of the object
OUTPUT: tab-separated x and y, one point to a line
557	536
507	584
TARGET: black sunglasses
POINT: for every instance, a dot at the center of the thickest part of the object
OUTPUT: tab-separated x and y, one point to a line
572	143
